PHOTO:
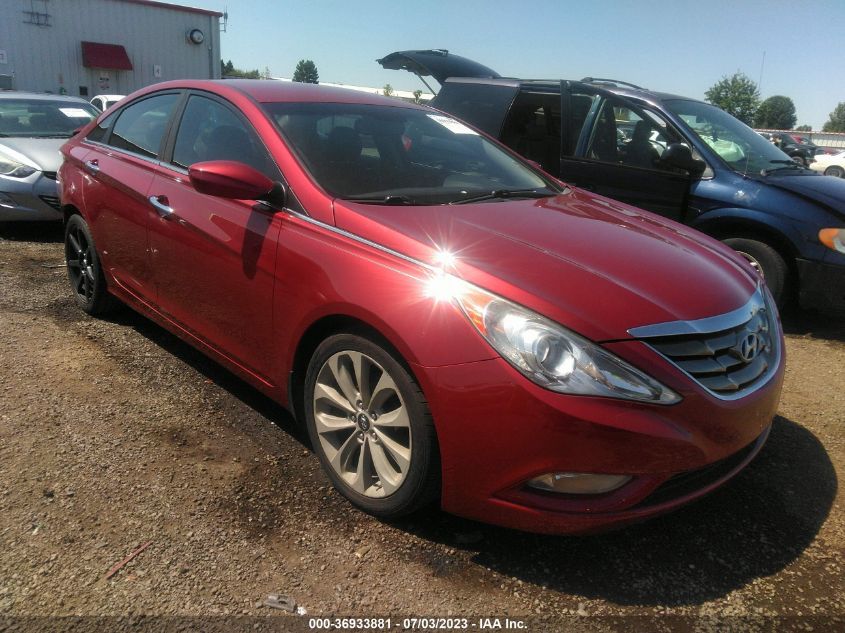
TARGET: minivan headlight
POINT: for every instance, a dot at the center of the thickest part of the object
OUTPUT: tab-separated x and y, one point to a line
547	353
833	238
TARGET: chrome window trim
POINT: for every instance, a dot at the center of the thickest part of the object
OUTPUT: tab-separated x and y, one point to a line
147	159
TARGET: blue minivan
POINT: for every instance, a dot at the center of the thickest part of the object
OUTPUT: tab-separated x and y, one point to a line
678	157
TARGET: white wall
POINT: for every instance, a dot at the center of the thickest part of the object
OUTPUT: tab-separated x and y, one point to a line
49	58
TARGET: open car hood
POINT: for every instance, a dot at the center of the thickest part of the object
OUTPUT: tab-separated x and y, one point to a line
439	63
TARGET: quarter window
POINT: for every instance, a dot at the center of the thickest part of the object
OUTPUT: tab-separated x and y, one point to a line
140	127
211	131
99	133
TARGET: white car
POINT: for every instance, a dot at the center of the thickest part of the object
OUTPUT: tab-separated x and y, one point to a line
830	164
103	102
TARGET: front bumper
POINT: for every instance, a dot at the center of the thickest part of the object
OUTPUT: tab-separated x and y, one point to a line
35	198
822	286
497	430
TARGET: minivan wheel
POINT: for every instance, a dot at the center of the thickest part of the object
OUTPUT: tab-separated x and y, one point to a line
768	262
370	426
835	170
83	268
800	160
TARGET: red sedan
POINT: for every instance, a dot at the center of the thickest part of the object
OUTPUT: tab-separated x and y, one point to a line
449	322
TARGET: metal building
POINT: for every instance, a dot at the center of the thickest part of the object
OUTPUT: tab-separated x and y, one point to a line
90	47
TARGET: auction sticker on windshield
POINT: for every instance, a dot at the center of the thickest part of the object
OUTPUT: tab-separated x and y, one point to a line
451	124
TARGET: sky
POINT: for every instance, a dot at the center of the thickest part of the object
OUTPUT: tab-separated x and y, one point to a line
679	46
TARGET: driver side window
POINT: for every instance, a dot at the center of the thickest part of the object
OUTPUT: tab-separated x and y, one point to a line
630	136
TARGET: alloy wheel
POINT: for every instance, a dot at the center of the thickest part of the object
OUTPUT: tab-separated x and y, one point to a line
362	423
80	263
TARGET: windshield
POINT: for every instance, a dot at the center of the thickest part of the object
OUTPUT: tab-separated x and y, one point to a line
737	144
397	155
40	118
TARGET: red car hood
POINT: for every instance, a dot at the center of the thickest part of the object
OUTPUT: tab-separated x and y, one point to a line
589	263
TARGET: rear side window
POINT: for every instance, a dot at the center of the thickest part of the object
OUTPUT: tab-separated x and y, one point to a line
211	131
140	127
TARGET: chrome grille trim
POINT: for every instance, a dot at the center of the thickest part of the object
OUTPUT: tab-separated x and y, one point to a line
730	355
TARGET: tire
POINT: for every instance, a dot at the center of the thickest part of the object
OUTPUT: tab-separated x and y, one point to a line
798	158
83	269
835	170
768	261
387	464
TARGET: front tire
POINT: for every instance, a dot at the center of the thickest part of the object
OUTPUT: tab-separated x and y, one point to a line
768	262
84	271
370	426
835	170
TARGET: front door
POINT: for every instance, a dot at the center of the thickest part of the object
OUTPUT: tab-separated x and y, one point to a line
616	151
214	258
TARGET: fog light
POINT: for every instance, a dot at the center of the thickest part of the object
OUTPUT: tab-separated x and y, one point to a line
579	483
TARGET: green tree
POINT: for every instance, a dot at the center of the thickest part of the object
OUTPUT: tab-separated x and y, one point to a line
804	128
306	72
776	113
836	121
417	96
736	95
230	72
388	90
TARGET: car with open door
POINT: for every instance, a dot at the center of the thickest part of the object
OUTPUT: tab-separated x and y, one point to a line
684	159
449	322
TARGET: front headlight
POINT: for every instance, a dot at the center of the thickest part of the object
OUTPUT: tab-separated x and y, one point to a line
13	168
547	353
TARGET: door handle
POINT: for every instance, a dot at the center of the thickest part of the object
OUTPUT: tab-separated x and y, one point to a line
92	166
163	207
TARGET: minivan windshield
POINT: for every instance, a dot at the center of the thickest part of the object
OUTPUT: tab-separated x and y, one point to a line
737	144
43	118
399	155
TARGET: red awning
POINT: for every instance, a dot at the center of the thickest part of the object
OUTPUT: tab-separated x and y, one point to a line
96	55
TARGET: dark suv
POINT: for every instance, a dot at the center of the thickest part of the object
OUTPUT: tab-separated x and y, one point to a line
678	157
797	149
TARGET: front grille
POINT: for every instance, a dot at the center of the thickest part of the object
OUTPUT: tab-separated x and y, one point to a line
49	174
53	201
730	356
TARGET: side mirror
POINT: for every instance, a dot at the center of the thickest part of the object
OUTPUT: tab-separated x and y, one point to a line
679	156
230	179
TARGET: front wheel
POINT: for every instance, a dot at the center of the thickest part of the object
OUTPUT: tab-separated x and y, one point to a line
370	426
835	170
768	262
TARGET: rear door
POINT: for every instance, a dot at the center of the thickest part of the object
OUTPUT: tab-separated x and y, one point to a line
119	169
214	258
613	147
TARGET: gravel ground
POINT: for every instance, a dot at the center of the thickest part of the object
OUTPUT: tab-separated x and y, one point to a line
114	434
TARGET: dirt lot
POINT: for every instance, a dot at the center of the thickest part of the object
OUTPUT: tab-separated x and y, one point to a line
113	434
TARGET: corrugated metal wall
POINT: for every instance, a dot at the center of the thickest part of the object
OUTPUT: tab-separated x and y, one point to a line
49	58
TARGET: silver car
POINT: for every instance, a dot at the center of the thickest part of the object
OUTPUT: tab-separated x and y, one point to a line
32	129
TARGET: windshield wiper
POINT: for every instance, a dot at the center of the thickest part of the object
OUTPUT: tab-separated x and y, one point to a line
506	193
785	164
389	199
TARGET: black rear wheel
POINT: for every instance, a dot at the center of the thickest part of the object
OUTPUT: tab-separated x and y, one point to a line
83	269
